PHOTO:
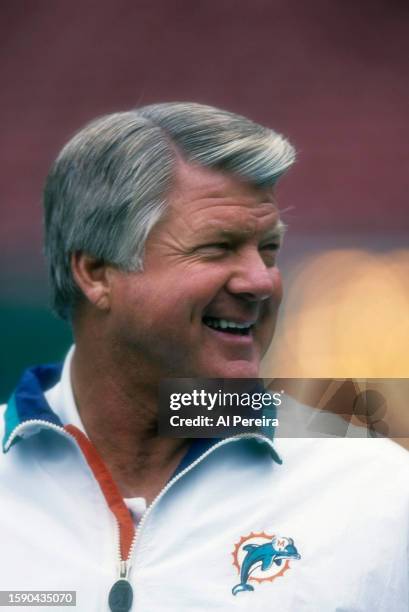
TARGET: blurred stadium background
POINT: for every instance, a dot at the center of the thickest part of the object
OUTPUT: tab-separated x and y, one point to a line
332	76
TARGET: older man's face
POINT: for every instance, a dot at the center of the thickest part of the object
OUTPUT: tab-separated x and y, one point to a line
206	303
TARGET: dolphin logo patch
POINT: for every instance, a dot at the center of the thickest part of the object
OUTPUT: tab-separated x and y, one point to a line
260	557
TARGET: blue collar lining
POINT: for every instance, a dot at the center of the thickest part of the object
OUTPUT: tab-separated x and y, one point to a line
29	403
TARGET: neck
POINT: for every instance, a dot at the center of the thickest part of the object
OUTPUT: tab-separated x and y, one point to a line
119	413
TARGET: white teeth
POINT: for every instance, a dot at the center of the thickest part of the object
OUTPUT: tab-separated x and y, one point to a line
224	324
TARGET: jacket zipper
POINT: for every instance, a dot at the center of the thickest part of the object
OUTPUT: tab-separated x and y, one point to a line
124	565
46	424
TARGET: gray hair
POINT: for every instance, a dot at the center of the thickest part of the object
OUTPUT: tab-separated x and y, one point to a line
108	186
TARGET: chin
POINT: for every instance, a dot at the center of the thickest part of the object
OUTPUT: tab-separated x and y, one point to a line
232	369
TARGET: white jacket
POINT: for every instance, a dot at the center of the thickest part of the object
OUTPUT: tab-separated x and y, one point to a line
326	530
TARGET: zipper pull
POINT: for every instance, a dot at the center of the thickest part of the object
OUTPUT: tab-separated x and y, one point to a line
121	593
124	568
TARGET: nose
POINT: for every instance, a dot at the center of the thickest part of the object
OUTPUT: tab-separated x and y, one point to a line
252	279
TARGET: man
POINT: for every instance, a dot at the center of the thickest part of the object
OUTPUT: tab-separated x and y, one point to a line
162	231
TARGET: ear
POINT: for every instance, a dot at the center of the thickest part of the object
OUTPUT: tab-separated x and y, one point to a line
92	277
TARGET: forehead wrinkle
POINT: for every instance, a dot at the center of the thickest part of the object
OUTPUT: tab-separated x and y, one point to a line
228	202
206	183
244	223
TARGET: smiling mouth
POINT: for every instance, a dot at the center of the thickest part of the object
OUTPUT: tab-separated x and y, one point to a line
229	327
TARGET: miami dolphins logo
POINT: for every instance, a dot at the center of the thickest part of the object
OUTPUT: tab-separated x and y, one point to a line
261	557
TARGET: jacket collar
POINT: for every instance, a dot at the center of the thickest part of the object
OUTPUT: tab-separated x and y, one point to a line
28	403
29	406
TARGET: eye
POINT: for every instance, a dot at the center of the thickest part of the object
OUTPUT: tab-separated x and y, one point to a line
213	250
270	246
269	253
215	246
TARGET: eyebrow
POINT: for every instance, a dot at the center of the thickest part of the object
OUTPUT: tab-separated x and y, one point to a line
276	233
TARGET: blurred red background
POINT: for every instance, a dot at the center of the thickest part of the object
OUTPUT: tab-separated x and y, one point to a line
332	76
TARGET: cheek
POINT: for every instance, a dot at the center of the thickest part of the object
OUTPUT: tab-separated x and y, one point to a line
167	299
195	288
133	306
